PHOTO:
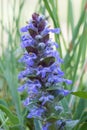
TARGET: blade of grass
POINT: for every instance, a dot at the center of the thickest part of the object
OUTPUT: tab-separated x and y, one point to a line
52	15
37	124
2	47
78	57
70	19
9	70
3	120
12	117
67	58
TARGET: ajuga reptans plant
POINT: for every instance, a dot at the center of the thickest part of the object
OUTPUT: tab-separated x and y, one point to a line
42	76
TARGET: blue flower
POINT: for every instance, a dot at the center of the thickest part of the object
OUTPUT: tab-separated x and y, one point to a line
36	112
46	126
22	88
24	29
61	92
42	70
26	101
28	59
33	86
27	40
60	124
46	98
25	73
47	30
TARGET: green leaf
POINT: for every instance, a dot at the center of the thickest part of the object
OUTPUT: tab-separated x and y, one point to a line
3	102
13	118
70	19
80	94
83	126
16	127
65	105
37	124
83	117
82	120
47	61
52	118
71	124
80	106
52	127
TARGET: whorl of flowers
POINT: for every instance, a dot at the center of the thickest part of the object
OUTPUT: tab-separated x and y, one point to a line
42	76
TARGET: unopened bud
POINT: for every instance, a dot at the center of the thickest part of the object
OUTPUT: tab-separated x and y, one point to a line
41	46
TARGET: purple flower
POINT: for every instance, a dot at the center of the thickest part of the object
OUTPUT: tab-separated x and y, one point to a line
46	98
26	41
55	79
25	73
58	108
60	124
24	29
46	126
63	92
33	86
29	59
55	68
47	30
68	81
22	88
36	112
26	102
42	69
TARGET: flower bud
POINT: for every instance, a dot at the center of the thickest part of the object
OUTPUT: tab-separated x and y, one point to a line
41	46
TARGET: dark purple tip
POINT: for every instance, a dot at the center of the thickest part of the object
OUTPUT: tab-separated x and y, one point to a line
35	16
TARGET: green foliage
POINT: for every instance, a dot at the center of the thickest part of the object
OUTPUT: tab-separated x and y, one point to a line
12	113
80	94
8	113
37	124
71	124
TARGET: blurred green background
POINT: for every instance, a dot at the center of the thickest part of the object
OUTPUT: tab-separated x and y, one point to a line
71	17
